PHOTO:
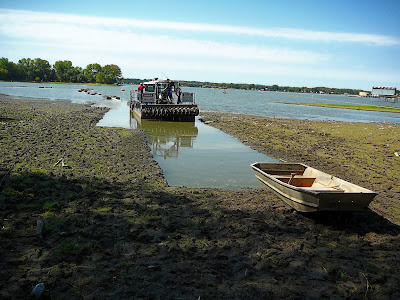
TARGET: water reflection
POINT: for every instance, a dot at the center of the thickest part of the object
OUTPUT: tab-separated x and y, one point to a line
207	156
166	138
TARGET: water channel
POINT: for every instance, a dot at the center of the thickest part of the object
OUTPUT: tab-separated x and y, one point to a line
195	154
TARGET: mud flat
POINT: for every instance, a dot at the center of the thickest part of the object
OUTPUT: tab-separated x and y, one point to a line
113	229
367	154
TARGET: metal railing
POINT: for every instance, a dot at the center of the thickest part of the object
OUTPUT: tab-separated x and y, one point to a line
151	98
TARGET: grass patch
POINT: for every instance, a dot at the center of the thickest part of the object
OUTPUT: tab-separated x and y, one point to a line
51	206
356	107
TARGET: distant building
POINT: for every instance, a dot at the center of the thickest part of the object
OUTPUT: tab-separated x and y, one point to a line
383	91
363	94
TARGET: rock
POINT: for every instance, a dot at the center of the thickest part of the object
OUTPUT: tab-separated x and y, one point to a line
38	290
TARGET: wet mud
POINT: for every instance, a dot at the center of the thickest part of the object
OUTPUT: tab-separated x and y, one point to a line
114	229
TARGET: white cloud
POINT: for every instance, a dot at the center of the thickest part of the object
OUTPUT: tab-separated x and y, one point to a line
283	33
111	40
146	47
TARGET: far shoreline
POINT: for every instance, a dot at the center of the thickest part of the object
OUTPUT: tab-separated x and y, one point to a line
53	82
354	107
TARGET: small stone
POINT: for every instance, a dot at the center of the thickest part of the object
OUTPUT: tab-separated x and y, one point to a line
38	290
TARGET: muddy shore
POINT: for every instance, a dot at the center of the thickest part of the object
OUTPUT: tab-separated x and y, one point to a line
365	154
114	229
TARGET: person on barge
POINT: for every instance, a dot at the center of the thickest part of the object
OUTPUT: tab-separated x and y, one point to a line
141	87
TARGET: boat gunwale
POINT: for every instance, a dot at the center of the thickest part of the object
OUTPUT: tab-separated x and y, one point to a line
290	198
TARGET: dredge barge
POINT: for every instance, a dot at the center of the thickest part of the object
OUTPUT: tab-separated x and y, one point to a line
164	100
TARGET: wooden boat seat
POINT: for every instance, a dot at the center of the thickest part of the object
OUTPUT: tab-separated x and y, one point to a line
288	176
298	180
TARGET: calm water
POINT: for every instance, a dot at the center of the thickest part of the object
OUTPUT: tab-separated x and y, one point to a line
193	154
275	104
271	104
197	155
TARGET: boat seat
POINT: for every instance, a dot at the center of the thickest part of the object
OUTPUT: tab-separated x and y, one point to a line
288	176
298	180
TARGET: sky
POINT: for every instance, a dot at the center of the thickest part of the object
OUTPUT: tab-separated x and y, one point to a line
342	44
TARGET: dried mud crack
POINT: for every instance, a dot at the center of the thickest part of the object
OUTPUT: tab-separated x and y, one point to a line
114	229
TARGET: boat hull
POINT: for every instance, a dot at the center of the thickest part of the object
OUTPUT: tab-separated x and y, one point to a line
308	199
166	112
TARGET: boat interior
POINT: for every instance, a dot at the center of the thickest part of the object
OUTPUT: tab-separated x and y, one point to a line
304	177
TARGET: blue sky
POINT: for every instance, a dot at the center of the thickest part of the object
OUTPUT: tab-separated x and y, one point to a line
343	44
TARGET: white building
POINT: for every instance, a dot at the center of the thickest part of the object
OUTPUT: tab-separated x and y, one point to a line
383	91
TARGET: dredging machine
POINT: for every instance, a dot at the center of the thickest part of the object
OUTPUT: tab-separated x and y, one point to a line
163	99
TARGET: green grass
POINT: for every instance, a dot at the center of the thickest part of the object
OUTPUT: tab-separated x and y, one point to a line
357	107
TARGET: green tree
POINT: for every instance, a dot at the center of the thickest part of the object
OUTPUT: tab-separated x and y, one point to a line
275	87
64	70
91	71
80	75
109	74
26	68
75	74
41	70
8	70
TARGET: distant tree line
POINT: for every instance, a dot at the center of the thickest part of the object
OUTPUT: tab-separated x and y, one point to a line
260	87
274	88
134	80
40	70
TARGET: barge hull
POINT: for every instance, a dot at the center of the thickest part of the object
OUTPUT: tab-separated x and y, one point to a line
166	112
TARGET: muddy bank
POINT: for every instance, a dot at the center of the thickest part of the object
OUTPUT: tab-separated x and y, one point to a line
365	154
114	230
